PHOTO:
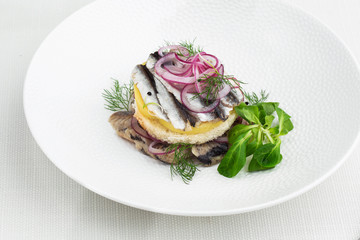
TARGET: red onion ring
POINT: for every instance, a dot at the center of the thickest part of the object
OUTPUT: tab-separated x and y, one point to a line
221	69
224	91
181	72
184	61
170	48
157	151
178	86
169	76
188	105
155	139
199	83
195	71
200	86
135	125
210	58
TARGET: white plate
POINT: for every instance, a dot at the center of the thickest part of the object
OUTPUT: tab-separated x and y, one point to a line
266	43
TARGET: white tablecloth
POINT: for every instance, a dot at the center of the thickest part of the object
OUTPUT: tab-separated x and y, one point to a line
37	201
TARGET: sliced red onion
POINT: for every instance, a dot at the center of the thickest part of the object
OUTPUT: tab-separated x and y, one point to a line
191	90
198	109
220	69
178	86
176	79
224	91
202	68
157	151
199	83
200	86
195	71
170	48
154	139
184	71
210	72
184	61
169	76
209	60
135	125
193	59
222	139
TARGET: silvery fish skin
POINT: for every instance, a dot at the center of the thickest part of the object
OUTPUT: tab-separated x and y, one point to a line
228	102
234	98
202	117
148	91
175	114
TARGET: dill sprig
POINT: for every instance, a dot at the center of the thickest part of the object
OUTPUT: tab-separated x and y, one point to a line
214	84
190	46
254	99
183	164
118	98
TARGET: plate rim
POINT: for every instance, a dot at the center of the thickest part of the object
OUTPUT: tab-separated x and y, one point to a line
185	212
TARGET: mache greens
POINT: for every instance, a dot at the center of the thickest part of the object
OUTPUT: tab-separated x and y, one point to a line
259	139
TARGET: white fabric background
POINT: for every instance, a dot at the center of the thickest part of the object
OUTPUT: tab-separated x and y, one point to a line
37	201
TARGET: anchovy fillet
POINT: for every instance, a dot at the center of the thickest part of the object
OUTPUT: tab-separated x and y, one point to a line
166	93
176	115
203	117
148	91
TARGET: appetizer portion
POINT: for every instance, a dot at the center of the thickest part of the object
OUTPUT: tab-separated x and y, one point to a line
179	107
177	101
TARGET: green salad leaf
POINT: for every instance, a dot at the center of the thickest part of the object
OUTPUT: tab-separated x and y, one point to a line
248	112
259	138
268	155
268	121
235	158
255	166
237	130
285	124
255	142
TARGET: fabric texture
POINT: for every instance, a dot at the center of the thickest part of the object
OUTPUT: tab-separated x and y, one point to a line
37	201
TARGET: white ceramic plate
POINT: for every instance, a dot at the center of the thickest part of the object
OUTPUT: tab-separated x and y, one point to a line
266	43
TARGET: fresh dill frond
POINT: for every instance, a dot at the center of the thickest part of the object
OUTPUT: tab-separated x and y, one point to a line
183	164
214	84
253	98
118	98
190	46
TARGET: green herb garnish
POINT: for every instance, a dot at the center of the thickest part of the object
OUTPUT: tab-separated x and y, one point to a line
183	164
118	98
253	99
259	139
214	84
190	46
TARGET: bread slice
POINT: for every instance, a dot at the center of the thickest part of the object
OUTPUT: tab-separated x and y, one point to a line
155	129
